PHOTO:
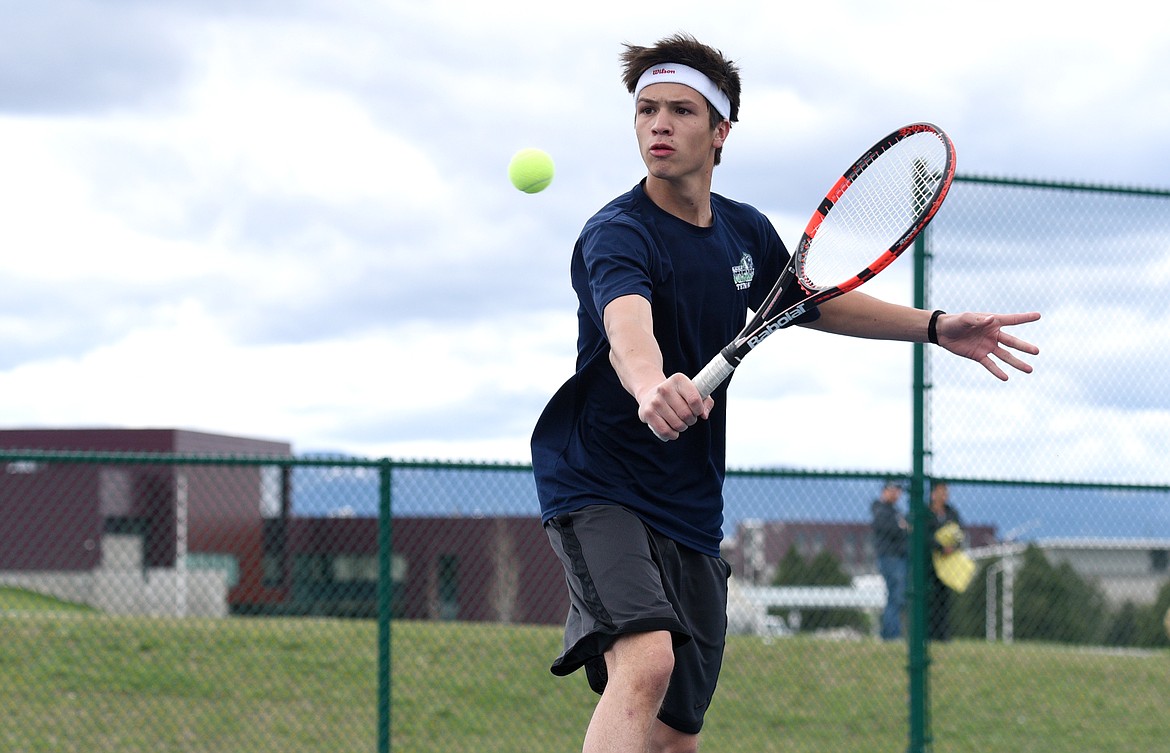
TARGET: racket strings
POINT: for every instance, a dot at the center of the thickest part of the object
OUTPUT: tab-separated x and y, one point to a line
883	202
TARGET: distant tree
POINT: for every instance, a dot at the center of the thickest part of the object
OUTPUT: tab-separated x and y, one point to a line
792	570
1153	631
1123	627
1141	626
1056	604
823	569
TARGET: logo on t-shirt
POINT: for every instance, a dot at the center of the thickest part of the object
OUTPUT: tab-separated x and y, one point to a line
743	273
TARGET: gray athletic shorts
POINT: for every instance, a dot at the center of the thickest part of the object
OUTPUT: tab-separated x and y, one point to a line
624	578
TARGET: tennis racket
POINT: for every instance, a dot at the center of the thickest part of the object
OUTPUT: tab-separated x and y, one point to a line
869	217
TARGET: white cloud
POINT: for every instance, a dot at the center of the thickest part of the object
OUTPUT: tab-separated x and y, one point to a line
298	225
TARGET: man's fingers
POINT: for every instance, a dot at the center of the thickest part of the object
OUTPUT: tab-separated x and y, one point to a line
1010	359
994	368
675	407
1016	343
664	436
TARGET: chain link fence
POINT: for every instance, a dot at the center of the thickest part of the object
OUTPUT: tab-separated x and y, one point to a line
155	602
194	601
1079	572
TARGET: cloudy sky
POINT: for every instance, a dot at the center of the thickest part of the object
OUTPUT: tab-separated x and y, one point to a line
291	220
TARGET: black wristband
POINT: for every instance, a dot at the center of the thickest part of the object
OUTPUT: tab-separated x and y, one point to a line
932	328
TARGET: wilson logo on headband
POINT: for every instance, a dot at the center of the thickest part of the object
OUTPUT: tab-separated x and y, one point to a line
682	74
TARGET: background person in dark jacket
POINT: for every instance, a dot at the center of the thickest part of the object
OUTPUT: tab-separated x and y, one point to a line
889	541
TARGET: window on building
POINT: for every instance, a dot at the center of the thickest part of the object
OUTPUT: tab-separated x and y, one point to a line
311	568
212	561
1159	560
24	467
448	576
354	568
272	571
849	548
275	556
271	487
398	568
115	493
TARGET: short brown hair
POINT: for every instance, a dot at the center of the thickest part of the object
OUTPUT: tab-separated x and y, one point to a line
684	49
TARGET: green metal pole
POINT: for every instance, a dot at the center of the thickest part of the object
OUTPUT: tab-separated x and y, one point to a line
385	603
918	650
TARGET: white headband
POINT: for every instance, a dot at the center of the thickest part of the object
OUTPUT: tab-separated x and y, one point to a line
681	74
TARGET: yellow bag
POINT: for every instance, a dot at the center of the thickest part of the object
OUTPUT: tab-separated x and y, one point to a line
955	569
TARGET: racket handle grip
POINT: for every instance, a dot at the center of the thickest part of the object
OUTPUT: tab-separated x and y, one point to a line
712	375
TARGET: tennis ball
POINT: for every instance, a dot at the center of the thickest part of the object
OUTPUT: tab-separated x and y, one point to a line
531	170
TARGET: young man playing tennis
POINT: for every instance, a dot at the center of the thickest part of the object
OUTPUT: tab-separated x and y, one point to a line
628	457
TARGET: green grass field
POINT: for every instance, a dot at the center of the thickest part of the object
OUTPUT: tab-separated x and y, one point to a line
76	680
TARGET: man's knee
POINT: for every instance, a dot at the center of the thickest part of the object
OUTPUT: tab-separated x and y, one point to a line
642	662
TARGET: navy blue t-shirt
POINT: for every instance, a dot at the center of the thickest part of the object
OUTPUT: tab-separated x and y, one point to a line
589	446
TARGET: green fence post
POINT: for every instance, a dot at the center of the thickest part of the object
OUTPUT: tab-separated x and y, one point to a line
385	602
919	657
